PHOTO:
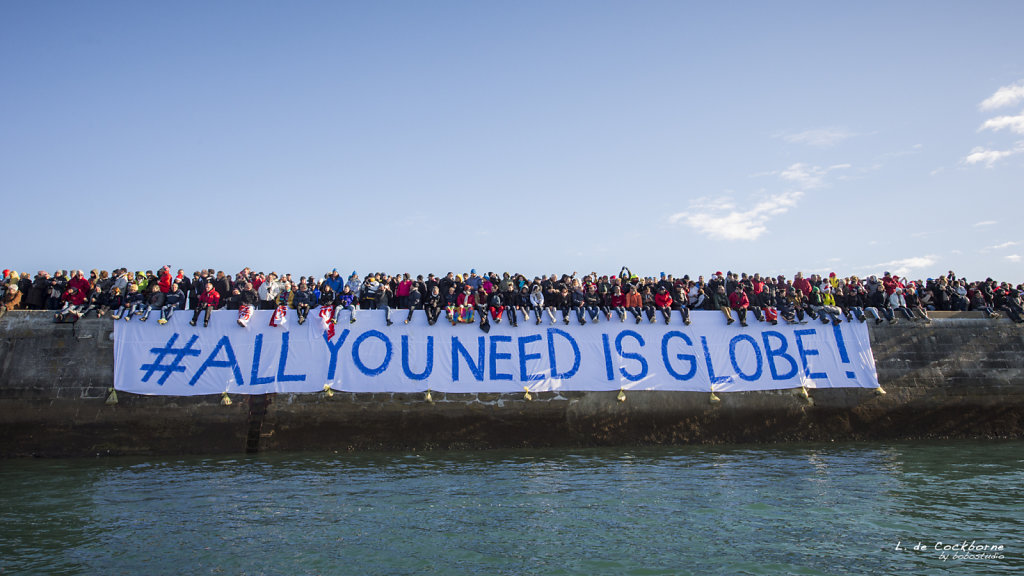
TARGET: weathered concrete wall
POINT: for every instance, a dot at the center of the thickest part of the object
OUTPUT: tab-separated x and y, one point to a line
958	377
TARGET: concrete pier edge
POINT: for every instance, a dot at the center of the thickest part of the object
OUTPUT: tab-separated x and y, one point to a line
962	376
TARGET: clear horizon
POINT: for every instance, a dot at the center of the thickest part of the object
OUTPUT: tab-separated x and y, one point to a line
535	137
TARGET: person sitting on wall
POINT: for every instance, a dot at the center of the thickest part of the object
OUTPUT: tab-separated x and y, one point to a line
412	299
172	301
302	301
663	302
209	299
432	305
74	302
344	300
739	302
723	303
155	299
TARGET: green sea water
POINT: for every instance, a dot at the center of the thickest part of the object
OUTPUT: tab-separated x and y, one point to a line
780	509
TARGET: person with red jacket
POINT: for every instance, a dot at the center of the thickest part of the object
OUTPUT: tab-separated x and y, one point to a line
165	279
617	302
208	300
739	302
663	302
800	283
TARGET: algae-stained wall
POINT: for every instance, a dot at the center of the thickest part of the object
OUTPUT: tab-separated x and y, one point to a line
958	377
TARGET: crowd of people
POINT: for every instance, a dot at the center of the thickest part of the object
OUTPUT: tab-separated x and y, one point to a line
473	298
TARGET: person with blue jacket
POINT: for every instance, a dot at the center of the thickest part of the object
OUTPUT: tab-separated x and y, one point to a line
344	300
172	301
302	300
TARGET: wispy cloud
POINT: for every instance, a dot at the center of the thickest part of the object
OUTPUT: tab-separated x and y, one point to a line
808	177
1014	123
1003	245
905	266
984	223
1013	257
724	218
720	218
988	157
818	137
1004	96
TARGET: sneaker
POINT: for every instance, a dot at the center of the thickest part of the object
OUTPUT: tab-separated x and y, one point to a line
352	320
878	321
515	325
161	321
566	321
687	322
823	319
731	320
497	320
143	319
744	324
115	317
995	315
582	322
538	320
622	318
637	319
192	322
775	322
205	324
407	321
240	323
390	322
893	321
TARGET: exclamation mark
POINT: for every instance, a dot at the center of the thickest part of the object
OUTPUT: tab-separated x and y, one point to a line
843	355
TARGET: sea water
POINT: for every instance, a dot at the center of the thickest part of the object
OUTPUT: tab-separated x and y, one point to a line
851	508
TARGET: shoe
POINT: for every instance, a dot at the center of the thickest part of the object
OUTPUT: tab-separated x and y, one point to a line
239	323
515	325
731	320
352	320
127	317
835	321
497	320
893	321
824	320
775	322
116	317
206	324
744	324
406	321
390	322
566	321
595	319
666	321
161	321
582	322
143	319
878	321
862	319
995	315
192	322
687	322
301	320
637	319
538	321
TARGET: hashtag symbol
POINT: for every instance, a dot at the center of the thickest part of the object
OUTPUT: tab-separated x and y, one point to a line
179	354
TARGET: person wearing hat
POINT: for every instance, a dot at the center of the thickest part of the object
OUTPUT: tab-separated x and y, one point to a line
663	302
898	303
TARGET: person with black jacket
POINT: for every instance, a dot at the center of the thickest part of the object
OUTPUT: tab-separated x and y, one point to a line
412	300
172	302
432	304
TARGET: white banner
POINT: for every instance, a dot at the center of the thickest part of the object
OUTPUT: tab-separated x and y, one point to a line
369	356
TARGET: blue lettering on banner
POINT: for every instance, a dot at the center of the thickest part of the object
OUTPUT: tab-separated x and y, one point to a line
405	359
498	355
711	366
761	357
358	361
211	362
844	356
757	356
175	364
806	352
282	377
524	357
551	350
257	352
690	358
477	368
631	355
333	366
780	352
607	357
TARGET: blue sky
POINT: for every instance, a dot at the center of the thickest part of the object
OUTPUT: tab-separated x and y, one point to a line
536	137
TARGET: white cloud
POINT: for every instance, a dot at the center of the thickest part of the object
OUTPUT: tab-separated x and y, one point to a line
1003	245
1013	123
723	218
988	157
984	223
1005	96
808	177
1013	257
720	218
819	137
905	266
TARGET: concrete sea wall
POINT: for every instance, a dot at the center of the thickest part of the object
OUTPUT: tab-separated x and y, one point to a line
960	377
